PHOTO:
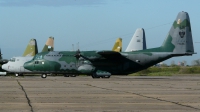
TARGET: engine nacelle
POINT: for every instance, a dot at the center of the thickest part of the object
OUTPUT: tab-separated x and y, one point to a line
102	73
87	69
2	73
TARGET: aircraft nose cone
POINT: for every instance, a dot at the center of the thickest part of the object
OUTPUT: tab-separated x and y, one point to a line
5	67
27	66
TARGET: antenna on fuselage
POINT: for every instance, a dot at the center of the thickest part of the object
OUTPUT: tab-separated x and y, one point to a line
72	47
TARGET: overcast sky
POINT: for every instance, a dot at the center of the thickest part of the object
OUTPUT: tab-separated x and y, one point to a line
95	24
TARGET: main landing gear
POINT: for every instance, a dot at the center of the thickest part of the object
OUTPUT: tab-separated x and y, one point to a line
67	75
95	76
18	74
44	75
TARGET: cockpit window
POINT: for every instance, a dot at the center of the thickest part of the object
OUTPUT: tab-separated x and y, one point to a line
37	57
12	60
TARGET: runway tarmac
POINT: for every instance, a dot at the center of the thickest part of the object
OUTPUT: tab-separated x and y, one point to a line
84	94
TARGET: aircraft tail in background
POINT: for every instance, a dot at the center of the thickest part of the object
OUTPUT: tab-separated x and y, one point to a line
138	41
49	46
118	45
31	48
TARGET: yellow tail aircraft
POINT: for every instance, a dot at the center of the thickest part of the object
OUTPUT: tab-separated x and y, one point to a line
118	45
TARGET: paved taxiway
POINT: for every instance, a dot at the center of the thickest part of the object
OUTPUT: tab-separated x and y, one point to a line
117	94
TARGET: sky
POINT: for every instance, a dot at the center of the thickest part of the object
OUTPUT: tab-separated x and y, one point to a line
93	24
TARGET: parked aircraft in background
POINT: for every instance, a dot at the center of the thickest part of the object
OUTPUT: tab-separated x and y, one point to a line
106	63
138	41
15	64
118	45
30	50
2	61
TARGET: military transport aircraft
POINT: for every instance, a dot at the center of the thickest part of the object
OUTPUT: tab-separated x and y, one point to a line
15	64
106	63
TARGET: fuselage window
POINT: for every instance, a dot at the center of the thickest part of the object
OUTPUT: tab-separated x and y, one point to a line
36	62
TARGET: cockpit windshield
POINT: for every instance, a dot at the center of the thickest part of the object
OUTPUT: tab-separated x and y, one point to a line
12	60
37	57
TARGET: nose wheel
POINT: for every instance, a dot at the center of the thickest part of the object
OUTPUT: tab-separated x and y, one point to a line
16	75
44	75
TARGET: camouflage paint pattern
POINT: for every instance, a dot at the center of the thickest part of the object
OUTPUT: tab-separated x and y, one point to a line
177	43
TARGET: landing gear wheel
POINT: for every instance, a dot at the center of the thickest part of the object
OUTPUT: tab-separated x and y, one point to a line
44	75
94	76
66	75
106	77
16	75
72	75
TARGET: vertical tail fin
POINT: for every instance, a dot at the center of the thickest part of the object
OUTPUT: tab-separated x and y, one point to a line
31	48
118	45
179	39
49	46
138	41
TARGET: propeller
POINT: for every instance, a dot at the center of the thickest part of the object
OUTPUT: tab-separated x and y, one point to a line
78	54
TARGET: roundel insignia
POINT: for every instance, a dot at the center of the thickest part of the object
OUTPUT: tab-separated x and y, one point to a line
181	33
179	21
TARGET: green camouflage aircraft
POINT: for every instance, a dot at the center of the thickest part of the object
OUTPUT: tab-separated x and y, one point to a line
106	63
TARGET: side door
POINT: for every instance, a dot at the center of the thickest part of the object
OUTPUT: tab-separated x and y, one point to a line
22	69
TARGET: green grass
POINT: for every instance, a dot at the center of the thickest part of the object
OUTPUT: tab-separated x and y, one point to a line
168	71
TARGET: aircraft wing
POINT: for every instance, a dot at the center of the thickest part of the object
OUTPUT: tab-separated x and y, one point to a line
109	54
